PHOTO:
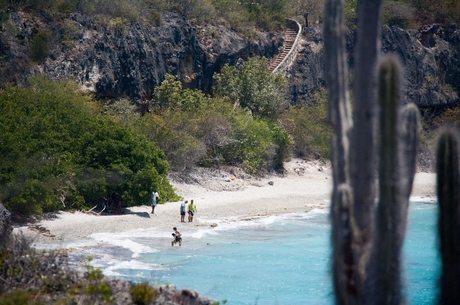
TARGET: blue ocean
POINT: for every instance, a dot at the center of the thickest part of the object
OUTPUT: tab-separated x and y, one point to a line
274	260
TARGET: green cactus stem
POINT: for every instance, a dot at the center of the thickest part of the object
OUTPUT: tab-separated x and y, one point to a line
410	131
343	256
448	190
344	261
396	174
339	101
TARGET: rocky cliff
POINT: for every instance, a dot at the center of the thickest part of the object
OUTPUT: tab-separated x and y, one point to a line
430	56
119	59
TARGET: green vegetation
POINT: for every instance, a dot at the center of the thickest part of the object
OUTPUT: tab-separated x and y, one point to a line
63	150
92	288
39	46
240	15
24	267
192	128
253	87
410	13
309	128
143	293
34	277
58	152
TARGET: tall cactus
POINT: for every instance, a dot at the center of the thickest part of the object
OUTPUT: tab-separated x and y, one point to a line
366	266
367	272
344	261
398	148
448	189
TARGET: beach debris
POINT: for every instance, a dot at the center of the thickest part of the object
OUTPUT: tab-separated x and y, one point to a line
89	211
41	230
299	170
271	182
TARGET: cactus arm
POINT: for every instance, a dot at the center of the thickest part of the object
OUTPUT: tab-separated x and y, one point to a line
394	197
343	257
410	131
363	153
363	149
344	262
448	190
338	98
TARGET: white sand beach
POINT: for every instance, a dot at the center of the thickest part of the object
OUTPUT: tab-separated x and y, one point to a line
222	197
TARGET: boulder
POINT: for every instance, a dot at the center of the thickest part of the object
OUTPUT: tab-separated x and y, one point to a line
5	225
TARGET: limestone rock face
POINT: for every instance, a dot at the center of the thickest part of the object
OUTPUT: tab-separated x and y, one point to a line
430	56
127	60
131	59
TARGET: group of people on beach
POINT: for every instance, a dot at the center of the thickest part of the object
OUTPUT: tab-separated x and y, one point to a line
191	210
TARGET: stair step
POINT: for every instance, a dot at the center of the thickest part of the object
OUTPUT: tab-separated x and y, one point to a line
290	36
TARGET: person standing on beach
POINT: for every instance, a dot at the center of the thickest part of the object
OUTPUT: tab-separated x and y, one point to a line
155	199
182	211
177	237
191	210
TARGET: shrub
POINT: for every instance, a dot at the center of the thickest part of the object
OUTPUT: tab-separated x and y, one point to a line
92	289
309	127
57	151
253	148
39	46
143	293
398	14
283	141
24	267
216	131
17	297
175	133
254	87
171	96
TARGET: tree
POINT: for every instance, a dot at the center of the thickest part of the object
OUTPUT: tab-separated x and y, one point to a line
443	11
253	87
308	8
58	152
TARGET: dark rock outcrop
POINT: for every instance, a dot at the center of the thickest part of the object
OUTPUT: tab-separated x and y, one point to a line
131	59
5	225
128	60
430	56
307	72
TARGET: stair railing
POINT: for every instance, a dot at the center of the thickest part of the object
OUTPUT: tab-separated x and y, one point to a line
287	61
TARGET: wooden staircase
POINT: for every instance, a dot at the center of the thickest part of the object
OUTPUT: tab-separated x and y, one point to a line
291	41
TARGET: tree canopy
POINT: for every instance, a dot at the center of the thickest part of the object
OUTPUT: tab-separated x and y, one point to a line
57	152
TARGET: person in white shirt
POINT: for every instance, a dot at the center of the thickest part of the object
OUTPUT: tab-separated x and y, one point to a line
182	210
155	199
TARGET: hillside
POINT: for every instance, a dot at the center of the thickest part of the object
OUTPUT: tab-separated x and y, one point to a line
130	58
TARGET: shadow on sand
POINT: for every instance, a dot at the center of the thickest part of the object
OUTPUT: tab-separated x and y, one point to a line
140	214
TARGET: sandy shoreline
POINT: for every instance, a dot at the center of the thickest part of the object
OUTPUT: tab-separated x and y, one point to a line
307	185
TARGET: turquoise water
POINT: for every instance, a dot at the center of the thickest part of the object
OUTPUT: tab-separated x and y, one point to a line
275	260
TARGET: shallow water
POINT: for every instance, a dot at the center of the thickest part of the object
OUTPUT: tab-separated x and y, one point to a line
275	260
